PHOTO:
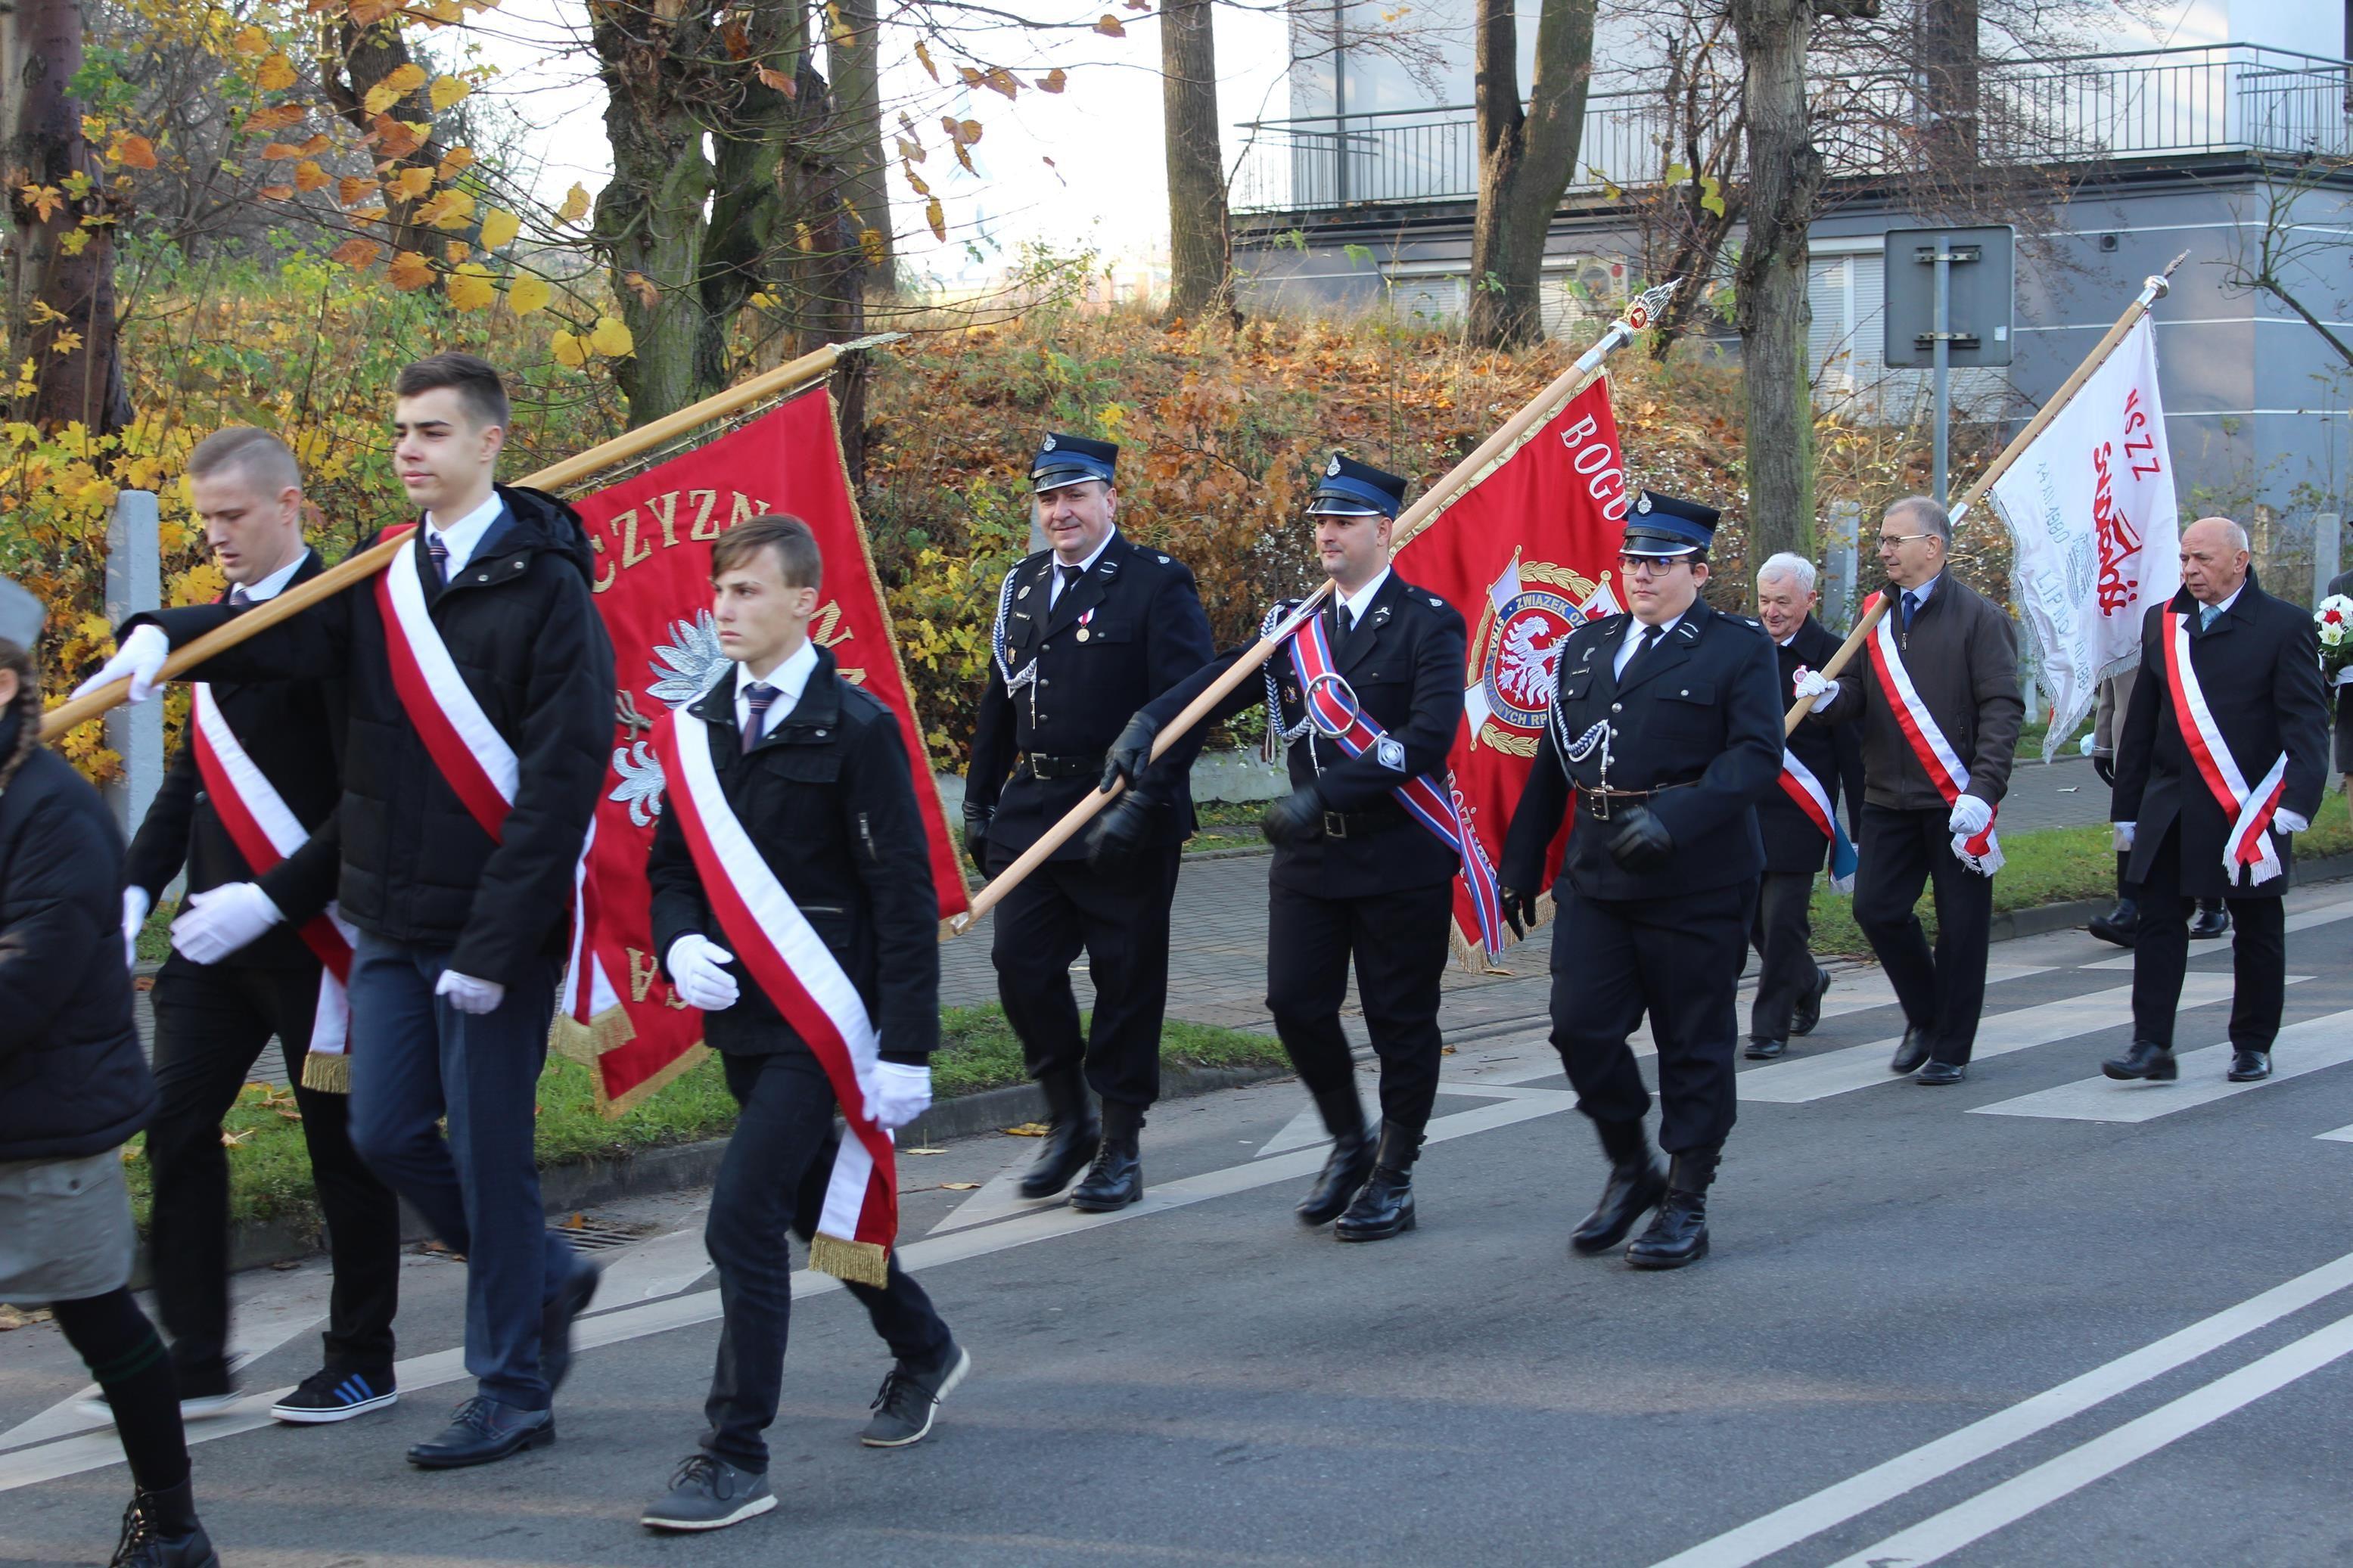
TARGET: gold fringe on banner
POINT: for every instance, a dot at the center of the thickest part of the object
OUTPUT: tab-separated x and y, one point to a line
327	1074
859	1262
615	1105
584	1043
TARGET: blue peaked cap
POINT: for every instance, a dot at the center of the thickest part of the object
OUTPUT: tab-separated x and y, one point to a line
1064	459
1668	525
1349	488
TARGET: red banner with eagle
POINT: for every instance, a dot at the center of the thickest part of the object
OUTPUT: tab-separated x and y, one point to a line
652	535
1528	552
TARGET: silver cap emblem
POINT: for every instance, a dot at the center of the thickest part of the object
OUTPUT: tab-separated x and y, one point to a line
1332	469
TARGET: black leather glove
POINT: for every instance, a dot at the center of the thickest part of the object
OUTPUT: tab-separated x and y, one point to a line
976	834
1519	909
1297	818
1641	843
1120	832
2106	768
1130	753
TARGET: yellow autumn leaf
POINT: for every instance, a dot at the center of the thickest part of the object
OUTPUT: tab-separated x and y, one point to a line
499	228
250	41
527	294
611	337
569	350
411	271
450	211
407	79
410	183
470	288
277	74
308	175
936	216
576	206
380	98
446	91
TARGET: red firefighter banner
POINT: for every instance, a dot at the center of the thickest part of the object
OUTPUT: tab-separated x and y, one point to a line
652	535
1526	553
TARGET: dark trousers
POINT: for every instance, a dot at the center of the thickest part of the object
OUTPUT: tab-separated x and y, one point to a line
211	1024
1782	932
1398	942
415	1061
2161	954
772	1180
1943	992
1120	920
1676	958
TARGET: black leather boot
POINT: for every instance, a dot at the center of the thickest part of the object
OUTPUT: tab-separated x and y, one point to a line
1351	1160
2144	1060
1678	1233
1116	1179
1072	1139
1636	1184
2213	919
1384	1206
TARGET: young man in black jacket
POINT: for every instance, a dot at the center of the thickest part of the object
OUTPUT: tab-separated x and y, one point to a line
815	773
480	684
244	966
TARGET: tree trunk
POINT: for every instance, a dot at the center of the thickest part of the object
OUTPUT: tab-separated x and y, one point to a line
369	55
1785	180
1948	76
61	304
1200	245
1526	159
850	60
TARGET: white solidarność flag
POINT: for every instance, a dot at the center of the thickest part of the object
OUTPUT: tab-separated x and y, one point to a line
2090	507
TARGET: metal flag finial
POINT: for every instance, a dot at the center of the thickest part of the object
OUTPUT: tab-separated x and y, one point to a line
1649	303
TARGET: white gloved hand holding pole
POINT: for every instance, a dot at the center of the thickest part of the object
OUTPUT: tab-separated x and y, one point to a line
141	657
219	921
1812	685
696	973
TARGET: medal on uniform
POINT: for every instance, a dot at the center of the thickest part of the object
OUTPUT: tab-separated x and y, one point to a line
1083	633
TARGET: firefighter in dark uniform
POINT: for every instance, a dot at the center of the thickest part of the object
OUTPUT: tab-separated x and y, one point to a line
1087	632
1355	875
1665	731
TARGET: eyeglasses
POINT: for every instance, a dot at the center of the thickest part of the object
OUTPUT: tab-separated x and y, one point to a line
1649	565
1903	538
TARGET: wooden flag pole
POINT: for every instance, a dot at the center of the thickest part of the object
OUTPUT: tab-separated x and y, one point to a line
1562	389
368	563
2153	288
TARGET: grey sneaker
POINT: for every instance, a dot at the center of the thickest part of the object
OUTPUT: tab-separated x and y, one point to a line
708	1493
904	1410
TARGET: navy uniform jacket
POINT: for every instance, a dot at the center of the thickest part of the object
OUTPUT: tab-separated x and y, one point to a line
1405	662
1703	710
2259	665
293	731
1125	633
1833	755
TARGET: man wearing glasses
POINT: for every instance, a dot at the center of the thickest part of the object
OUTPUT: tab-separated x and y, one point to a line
1937	697
1666	726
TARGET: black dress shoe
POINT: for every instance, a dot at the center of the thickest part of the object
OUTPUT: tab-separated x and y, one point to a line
2120	925
1911	1050
1678	1233
1766	1050
483	1430
2249	1067
556	1323
1810	1006
1937	1074
1115	1181
2211	920
1636	1185
1350	1164
2144	1060
1384	1206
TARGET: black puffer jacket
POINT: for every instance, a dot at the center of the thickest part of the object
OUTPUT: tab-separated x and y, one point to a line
72	1081
521	629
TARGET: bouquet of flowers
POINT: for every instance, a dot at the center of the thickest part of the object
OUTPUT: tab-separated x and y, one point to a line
2333	620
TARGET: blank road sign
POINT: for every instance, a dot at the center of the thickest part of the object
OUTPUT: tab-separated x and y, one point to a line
1978	312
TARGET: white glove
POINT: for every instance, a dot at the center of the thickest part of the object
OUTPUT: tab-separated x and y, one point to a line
2344	677
141	657
897	1094
1812	683
1969	817
2084	747
2289	822
469	994
2124	837
134	916
217	922
695	973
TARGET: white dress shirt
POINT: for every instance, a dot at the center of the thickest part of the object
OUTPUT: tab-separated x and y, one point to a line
1634	638
1361	601
270	587
1054	581
463	537
790	679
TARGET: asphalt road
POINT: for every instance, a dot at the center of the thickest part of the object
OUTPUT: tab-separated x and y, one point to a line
2039	1318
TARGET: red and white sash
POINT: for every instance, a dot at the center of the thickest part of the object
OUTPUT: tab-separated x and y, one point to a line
791	963
1982	854
2250	810
475	759
266	831
1806	792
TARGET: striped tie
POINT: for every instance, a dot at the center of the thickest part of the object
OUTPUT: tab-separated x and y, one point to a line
757	697
238	596
439	552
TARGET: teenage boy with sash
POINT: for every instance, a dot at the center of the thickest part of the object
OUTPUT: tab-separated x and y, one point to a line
1369	692
247	809
1936	694
793	903
2224	754
479	686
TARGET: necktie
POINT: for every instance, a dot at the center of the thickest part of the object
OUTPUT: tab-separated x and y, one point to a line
439	552
1069	576
2206	614
1650	636
238	596
1348	623
1911	608
757	697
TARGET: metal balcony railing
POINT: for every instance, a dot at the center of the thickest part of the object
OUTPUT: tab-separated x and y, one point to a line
2145	104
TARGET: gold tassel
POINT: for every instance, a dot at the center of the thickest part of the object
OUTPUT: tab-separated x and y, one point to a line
327	1074
584	1043
859	1262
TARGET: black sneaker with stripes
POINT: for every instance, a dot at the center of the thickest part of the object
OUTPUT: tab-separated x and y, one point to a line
333	1395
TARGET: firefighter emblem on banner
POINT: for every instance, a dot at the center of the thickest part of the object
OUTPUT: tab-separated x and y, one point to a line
1515	664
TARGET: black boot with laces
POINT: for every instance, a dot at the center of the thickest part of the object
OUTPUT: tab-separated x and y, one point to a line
160	1531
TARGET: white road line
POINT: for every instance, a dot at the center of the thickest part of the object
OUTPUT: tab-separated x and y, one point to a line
1860	1066
659	1265
2308	1046
2341	1135
1304	1130
2303	919
72	1456
1000	1195
2013	1499
1858	1495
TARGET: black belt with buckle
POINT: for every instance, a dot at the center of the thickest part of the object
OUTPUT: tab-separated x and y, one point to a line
1598	802
1065	767
1356	824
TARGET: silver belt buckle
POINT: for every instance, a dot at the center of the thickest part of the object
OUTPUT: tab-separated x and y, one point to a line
1335	824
